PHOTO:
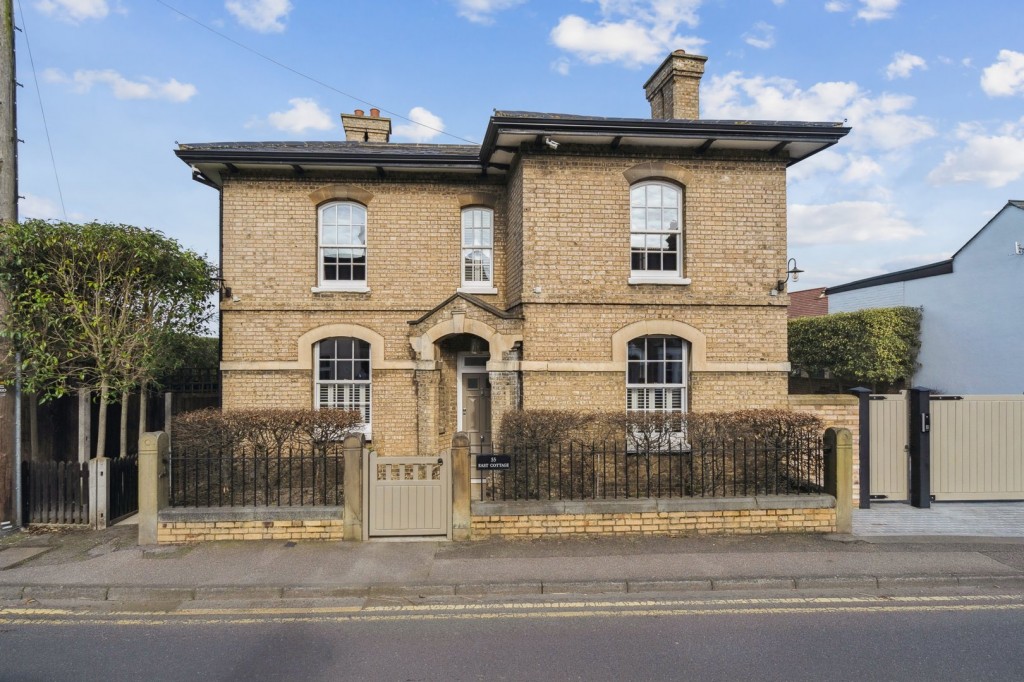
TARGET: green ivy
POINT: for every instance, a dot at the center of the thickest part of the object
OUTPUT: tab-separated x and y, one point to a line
870	347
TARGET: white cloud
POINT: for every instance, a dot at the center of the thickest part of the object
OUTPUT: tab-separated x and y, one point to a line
304	115
632	32
877	121
861	169
869	10
483	11
424	127
74	11
762	36
1006	76
264	16
560	66
827	161
82	81
778	3
994	160
873	10
903	64
847	222
35	206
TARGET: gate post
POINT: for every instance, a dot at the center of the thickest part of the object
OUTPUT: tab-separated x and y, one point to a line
462	519
352	447
153	450
864	444
839	475
920	448
99	496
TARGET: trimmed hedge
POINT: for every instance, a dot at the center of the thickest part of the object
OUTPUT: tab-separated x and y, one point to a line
876	347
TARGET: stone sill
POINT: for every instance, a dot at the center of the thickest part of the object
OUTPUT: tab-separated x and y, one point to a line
556	507
672	281
479	291
341	290
213	514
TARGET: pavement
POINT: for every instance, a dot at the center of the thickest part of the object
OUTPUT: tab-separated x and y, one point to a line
65	563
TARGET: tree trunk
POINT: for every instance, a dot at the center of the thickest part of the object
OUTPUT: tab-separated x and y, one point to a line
143	407
125	397
101	431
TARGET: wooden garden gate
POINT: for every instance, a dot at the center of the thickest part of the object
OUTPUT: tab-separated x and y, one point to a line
408	496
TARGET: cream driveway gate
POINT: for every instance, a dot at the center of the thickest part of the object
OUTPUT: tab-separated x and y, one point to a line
977	447
408	496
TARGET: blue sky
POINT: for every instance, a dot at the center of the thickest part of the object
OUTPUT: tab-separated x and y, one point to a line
933	90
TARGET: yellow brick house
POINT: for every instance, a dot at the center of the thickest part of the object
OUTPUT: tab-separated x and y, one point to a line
567	261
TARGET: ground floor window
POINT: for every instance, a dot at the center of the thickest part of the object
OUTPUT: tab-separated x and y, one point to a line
656	376
343	376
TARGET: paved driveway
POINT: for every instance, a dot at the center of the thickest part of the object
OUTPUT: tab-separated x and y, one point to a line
981	519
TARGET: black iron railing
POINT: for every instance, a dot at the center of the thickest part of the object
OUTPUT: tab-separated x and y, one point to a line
575	471
285	477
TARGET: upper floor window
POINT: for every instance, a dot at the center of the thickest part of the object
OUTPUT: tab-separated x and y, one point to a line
655	227
343	376
477	248
342	247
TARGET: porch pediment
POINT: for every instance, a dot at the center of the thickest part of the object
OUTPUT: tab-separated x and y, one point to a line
465	314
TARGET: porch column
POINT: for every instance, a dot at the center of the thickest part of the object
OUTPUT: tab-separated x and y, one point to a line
506	391
427	378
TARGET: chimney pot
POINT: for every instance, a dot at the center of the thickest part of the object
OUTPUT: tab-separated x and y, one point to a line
362	128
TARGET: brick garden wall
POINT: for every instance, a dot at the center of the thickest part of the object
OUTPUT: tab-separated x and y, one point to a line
738	516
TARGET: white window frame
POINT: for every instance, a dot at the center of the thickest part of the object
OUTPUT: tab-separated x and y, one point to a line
364	406
324	284
476	286
657	276
651	391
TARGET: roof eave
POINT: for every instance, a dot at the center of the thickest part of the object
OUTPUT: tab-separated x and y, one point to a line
943	267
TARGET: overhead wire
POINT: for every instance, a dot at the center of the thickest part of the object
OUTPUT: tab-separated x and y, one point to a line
312	79
42	110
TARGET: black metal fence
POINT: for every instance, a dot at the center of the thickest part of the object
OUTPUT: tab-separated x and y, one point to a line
55	492
124	487
257	479
575	471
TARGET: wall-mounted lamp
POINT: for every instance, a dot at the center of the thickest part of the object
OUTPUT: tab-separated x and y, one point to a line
225	291
792	271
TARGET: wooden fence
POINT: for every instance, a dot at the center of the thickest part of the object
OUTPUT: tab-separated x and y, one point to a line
56	492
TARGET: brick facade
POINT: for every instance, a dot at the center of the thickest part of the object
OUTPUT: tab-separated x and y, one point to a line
566	302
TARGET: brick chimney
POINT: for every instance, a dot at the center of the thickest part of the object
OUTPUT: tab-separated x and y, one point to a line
362	128
673	89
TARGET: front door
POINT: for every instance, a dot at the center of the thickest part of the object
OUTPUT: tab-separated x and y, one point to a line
476	410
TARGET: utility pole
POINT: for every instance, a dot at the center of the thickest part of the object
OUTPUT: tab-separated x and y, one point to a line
8	213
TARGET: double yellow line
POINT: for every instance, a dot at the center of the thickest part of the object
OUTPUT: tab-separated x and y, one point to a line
513	610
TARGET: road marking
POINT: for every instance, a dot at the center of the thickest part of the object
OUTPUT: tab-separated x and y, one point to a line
554	605
519	610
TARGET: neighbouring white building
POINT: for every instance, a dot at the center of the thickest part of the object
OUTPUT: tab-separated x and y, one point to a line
972	331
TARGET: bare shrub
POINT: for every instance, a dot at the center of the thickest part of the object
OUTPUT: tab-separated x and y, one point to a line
263	431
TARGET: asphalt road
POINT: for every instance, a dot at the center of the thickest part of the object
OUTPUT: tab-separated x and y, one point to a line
910	637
